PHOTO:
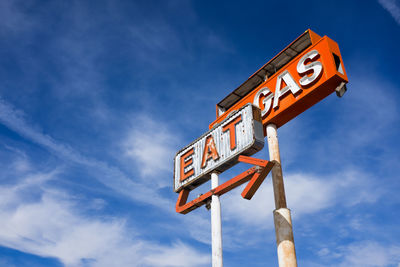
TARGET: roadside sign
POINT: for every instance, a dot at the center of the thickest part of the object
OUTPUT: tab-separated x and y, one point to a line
240	133
301	75
304	73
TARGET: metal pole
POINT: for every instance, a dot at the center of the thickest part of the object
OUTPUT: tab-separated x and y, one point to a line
282	218
216	229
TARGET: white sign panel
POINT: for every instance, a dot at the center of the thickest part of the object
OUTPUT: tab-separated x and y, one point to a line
218	149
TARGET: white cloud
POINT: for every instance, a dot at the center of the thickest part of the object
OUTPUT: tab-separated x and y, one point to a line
178	255
110	176
53	225
393	7
19	161
305	193
370	254
14	119
367	253
22	165
198	225
150	145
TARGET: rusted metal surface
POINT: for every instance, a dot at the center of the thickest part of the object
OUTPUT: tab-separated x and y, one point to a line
255	175
277	178
256	181
278	185
254	161
282	219
219	148
284	238
216	227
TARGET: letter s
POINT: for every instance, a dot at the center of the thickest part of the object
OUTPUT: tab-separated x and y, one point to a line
315	66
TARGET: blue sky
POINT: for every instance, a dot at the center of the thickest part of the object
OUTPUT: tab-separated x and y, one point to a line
96	97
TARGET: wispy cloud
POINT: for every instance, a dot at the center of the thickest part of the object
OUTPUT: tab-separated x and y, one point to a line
393	7
151	146
110	176
306	194
53	226
19	160
148	146
370	254
177	255
365	253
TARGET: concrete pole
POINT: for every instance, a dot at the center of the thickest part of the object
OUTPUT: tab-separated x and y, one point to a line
216	229
282	218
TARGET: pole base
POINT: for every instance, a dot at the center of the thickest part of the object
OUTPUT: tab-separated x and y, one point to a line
284	238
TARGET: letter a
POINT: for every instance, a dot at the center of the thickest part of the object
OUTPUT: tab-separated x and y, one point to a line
210	151
291	86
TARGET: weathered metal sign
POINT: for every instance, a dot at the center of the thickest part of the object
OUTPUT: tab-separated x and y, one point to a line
304	73
218	149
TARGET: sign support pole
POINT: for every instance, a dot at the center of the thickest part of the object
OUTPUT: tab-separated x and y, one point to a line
282	217
216	229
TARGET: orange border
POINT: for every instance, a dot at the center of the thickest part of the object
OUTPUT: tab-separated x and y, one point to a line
255	175
291	105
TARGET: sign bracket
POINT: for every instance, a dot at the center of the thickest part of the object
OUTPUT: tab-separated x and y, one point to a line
255	175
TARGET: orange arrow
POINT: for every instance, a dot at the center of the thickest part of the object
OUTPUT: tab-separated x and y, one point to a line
255	175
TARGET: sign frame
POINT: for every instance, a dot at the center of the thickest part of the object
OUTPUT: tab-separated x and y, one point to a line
250	126
291	103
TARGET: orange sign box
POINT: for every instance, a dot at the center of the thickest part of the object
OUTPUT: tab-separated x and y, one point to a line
303	80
